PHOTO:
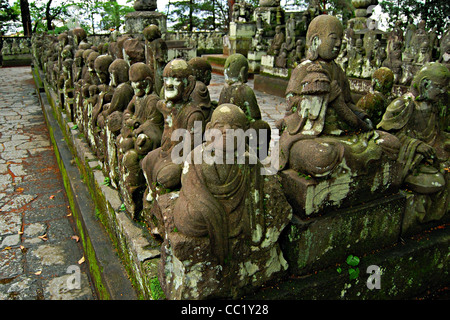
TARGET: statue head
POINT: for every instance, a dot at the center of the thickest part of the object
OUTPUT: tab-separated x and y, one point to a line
93	90
236	69
101	65
225	117
93	55
133	51
79	57
383	80
202	69
431	83
118	71
141	77
79	34
179	80
151	32
324	38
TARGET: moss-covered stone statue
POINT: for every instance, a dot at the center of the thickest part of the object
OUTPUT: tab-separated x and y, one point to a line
223	225
101	66
109	121
236	91
155	54
375	102
181	115
141	133
420	120
329	152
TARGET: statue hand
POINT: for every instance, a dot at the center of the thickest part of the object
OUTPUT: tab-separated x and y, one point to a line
335	90
427	150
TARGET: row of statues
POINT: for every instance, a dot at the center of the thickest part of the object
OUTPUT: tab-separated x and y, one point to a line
152	124
402	51
15	46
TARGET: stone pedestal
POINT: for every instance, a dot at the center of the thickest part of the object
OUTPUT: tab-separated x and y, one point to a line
268	67
136	21
254	60
241	35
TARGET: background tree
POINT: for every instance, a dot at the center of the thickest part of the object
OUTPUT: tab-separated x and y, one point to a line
26	17
45	13
8	14
113	14
436	13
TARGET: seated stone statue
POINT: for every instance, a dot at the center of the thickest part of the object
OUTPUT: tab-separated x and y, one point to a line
236	91
277	41
202	71
109	121
420	120
223	225
375	102
325	137
141	133
155	54
180	112
101	65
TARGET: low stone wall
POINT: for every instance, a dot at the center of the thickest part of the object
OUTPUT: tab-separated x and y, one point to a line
138	250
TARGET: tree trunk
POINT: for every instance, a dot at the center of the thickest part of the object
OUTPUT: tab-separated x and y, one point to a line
48	16
191	4
26	17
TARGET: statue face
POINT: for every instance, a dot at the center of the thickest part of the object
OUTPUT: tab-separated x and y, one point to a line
173	88
140	87
103	76
329	44
436	90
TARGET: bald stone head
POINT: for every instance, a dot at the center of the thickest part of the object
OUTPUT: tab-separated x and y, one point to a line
202	69
101	65
118	70
179	80
141	77
324	38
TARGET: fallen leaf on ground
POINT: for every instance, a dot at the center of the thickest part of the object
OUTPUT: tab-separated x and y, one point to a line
38	273
44	237
20	189
81	260
6	248
52	196
76	238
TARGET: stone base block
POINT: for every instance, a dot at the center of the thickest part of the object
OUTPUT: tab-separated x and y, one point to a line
324	241
137	21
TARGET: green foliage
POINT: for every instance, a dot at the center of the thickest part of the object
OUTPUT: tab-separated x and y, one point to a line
353	271
156	290
113	14
8	14
436	13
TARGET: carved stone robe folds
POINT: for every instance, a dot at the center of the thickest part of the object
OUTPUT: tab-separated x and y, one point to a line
222	230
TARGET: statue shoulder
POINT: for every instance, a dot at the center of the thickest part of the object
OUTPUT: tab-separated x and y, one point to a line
398	113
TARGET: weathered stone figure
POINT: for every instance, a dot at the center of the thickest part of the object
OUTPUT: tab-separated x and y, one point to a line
225	238
236	91
202	71
324	135
109	120
155	54
141	132
375	102
419	119
179	112
101	65
277	41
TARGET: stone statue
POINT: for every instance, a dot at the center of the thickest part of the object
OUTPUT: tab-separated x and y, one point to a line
224	220
160	170
324	135
394	61
277	41
419	119
109	121
356	60
444	50
133	51
282	58
141	133
145	5
236	91
202	71
155	54
101	65
375	102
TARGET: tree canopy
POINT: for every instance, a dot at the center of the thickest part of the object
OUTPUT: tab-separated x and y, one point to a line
435	13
